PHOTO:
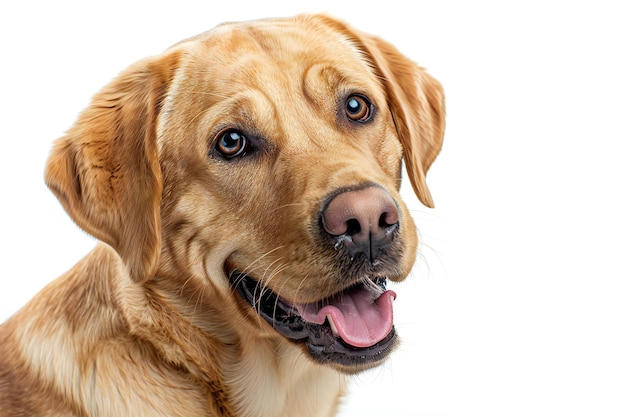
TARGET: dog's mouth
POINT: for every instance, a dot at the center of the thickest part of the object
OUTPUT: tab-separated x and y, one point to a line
352	328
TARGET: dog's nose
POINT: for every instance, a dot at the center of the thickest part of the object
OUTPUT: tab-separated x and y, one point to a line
364	220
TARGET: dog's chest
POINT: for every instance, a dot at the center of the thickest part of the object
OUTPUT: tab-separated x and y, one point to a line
274	381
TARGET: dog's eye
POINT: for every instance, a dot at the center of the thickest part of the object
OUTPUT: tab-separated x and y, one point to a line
231	143
358	108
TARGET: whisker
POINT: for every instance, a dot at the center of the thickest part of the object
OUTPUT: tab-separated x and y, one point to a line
266	280
182	288
300	285
258	259
276	272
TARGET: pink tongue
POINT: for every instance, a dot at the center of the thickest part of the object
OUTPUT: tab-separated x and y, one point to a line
360	321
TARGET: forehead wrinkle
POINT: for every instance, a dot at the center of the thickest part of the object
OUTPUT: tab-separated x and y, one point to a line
252	110
320	81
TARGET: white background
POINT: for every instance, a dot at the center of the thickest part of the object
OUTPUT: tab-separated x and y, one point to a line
517	305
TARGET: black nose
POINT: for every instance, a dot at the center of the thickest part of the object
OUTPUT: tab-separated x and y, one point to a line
364	220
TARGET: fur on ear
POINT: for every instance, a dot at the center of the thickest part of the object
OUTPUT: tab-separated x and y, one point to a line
105	170
416	101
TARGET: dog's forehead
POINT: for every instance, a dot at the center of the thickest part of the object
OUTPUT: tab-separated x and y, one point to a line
276	64
272	51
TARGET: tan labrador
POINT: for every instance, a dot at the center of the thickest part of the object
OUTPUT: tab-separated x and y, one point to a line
245	187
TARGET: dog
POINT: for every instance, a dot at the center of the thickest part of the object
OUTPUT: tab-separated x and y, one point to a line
244	187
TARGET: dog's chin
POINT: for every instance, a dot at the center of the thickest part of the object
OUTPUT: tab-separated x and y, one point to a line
351	330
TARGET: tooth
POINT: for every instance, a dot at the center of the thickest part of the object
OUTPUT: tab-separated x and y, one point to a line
332	325
374	289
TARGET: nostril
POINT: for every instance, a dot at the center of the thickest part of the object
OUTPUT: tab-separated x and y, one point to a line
383	223
353	227
388	218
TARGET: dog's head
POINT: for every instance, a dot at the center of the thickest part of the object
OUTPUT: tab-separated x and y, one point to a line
259	165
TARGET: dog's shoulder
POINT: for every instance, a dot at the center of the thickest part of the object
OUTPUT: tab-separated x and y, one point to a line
22	393
71	352
40	344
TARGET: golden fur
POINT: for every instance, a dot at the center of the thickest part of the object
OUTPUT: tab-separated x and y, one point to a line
148	323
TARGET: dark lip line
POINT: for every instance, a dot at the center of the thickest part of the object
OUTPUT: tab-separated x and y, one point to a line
236	278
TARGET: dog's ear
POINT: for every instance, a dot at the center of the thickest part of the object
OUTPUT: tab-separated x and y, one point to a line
417	104
105	170
415	99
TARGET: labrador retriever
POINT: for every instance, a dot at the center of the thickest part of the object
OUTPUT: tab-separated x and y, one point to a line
245	187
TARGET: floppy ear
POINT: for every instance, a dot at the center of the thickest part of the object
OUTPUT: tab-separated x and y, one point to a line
417	104
415	99
105	170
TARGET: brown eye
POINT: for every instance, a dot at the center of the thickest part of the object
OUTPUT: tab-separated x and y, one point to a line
358	108
231	143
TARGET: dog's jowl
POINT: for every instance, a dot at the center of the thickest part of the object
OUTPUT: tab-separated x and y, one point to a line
244	186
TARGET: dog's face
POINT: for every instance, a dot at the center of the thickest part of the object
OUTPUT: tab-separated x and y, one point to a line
259	166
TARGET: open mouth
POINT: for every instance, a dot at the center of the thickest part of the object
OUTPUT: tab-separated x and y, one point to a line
353	328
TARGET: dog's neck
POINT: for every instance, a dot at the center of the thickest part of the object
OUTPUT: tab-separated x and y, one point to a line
267	380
